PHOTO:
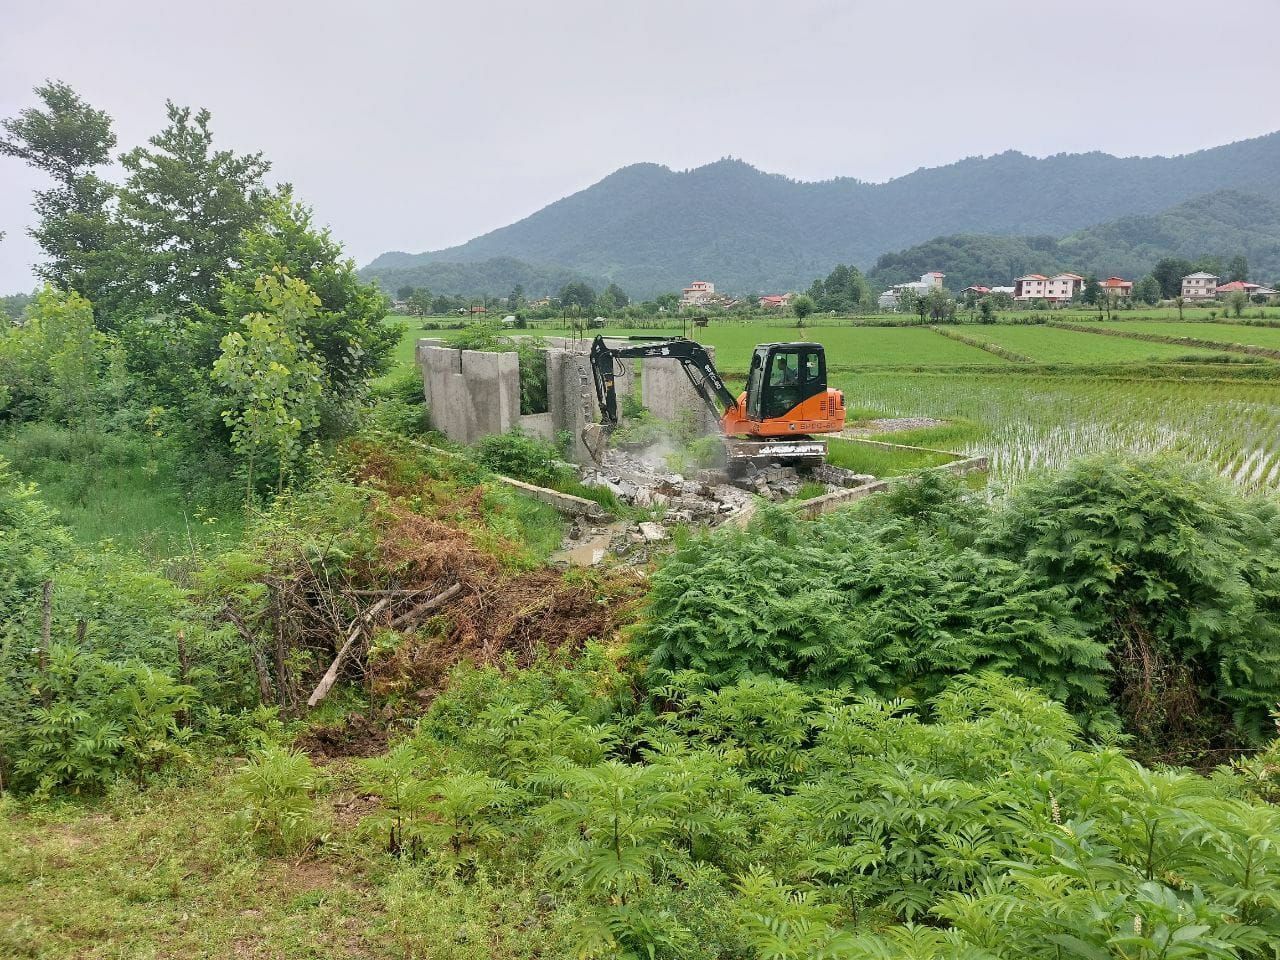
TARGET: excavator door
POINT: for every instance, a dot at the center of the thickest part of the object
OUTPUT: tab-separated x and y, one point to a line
782	376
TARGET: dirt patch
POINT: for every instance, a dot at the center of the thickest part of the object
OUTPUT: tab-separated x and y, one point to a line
354	736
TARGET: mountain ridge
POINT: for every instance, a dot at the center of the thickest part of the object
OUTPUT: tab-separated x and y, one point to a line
650	228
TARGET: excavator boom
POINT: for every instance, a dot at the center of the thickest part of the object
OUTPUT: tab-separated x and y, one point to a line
693	357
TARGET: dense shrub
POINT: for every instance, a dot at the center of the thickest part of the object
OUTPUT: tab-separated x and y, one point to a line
881	602
1130	584
762	818
517	454
80	721
1175	571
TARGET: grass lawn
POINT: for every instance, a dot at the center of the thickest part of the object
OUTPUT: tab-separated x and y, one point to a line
1054	345
166	874
847	346
1268	337
116	487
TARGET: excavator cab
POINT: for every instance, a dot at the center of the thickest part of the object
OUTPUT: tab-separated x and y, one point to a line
782	377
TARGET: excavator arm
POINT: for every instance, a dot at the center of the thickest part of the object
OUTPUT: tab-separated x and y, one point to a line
694	360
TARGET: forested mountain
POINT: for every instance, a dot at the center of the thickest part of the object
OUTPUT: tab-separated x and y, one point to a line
651	229
497	275
1218	225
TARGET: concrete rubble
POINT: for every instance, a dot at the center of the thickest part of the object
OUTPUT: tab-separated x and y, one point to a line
707	498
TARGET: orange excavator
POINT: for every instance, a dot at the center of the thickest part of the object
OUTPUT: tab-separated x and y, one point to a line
781	416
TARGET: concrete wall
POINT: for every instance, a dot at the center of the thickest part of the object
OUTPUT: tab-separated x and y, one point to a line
473	393
469	393
667	393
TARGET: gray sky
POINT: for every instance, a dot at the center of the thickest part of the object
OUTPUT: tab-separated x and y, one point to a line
417	125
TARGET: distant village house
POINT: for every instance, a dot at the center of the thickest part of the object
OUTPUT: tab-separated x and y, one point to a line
1059	288
890	299
1250	290
776	301
1199	286
1117	287
698	293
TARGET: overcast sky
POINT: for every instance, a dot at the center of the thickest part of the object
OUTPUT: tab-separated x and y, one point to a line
413	125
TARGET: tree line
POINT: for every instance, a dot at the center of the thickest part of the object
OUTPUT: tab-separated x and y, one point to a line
191	295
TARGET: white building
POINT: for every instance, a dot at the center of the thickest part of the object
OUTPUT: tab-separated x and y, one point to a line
1199	286
890	298
1059	288
697	293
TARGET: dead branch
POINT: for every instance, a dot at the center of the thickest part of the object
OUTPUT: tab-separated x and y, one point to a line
331	675
411	618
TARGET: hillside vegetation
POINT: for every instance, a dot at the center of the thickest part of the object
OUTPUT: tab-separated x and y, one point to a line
652	229
1219	225
498	275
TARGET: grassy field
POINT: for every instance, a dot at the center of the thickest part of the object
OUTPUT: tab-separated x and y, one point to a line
1082	393
1052	345
848	346
115	487
163	873
1268	337
1031	422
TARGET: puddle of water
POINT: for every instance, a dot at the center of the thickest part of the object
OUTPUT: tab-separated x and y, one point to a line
589	552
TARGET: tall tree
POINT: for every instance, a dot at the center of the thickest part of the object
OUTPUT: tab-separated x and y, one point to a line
67	139
345	332
419	300
579	295
186	207
1169	272
1092	292
620	299
1147	290
1238	267
271	380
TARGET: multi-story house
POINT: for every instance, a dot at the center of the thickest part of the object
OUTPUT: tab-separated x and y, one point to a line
1059	288
1117	287
1199	286
697	293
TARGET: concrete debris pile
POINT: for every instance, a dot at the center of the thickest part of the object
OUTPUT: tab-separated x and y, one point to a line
641	479
707	498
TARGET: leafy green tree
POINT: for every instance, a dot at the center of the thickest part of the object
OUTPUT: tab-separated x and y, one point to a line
1238	268
515	299
419	301
271	381
185	207
579	295
802	306
1092	293
67	139
404	292
1237	302
667	301
844	290
50	366
986	312
939	305
620	299
1147	290
1169	272
344	334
